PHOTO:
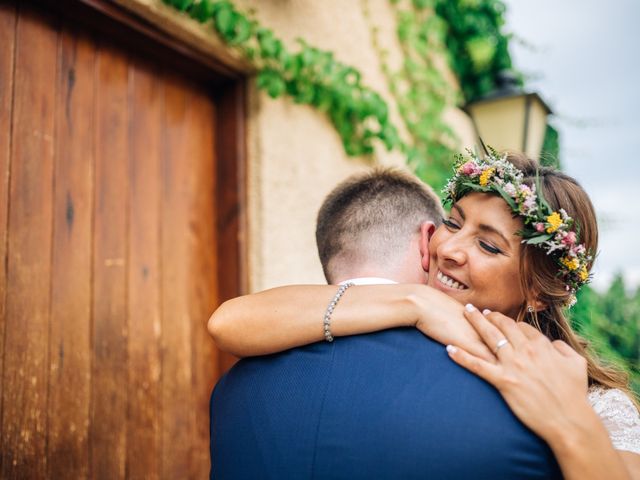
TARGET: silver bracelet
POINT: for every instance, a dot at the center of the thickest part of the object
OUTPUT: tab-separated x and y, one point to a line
332	304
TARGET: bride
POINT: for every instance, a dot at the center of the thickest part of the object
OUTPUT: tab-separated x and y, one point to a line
517	245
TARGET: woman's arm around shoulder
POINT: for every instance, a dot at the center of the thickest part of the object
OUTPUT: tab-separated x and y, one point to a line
286	317
291	316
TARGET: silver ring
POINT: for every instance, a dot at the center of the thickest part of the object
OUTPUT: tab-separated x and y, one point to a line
499	345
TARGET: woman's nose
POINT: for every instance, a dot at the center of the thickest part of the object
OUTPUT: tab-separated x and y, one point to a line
454	249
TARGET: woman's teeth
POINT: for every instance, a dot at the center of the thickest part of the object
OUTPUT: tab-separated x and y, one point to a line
450	282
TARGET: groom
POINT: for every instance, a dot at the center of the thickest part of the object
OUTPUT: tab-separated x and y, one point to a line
384	405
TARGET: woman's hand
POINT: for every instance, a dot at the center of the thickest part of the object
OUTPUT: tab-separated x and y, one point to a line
543	382
545	385
442	318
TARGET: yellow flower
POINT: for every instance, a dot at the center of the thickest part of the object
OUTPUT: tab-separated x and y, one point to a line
555	220
584	275
571	263
486	176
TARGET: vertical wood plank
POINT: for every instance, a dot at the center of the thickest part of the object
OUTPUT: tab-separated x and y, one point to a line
203	270
70	368
7	39
231	184
178	416
109	364
24	382
143	437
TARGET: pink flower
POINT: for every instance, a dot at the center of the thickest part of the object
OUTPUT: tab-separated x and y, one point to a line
510	189
530	203
575	250
570	238
470	168
540	227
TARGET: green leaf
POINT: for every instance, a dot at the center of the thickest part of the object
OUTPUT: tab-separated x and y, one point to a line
272	82
507	198
276	88
242	30
538	240
262	79
182	5
268	43
221	4
323	99
224	21
308	56
540	196
475	187
305	92
202	11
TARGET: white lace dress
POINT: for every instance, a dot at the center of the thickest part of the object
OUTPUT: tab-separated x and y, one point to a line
619	415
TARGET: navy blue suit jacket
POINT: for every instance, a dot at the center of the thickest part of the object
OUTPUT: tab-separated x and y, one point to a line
385	405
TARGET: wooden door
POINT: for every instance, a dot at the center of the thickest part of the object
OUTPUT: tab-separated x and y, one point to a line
109	227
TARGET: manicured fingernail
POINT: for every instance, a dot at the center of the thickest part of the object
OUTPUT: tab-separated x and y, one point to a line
486	311
469	307
451	349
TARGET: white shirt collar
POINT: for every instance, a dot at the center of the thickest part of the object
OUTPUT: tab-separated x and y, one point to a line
369	281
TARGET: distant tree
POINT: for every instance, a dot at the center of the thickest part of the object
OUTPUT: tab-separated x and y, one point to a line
550	154
611	321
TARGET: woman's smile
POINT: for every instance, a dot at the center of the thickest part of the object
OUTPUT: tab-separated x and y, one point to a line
475	254
449	282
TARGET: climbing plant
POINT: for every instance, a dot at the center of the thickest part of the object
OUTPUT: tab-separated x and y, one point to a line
309	75
468	32
476	42
421	91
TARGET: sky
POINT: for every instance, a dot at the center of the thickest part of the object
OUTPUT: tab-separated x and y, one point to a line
583	58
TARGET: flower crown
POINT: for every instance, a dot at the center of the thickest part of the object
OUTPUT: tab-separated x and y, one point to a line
545	228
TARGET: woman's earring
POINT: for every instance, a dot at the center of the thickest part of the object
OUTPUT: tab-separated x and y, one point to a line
530	309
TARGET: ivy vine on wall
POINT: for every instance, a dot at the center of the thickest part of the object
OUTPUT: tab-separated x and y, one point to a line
310	76
477	45
468	32
421	91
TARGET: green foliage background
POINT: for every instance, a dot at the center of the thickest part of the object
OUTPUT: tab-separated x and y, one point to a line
477	44
611	322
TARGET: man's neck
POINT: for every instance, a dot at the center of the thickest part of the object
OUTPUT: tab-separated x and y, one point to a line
368	281
389	275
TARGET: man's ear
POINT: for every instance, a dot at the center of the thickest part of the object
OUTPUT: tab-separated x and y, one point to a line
426	230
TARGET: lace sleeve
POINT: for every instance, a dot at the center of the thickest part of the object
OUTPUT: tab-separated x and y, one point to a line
620	417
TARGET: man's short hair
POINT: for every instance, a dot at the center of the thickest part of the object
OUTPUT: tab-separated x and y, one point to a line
370	217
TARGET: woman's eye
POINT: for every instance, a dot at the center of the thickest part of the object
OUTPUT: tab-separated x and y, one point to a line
489	248
450	224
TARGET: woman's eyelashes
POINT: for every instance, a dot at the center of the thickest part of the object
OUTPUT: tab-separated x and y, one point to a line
452	224
489	248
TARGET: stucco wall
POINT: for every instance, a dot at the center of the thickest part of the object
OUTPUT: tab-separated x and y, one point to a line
295	157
